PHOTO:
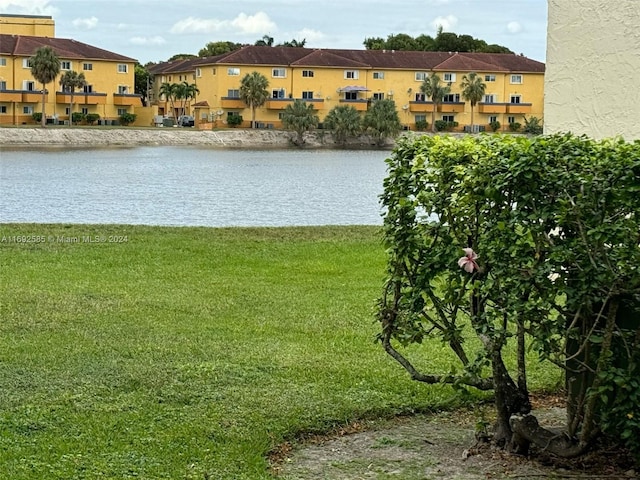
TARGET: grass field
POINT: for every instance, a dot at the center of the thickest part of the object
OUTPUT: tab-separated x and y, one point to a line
177	353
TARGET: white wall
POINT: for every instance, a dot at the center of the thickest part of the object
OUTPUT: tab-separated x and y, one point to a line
592	78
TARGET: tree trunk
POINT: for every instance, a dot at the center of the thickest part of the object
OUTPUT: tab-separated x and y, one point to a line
43	120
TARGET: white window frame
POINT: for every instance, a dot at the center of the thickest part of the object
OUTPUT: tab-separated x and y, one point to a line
233	93
351	74
3	62
278	93
421	76
198	72
233	71
279	72
490	98
123	89
66	65
378	75
421	117
3	84
307	95
511	119
87	89
489	77
456	98
308	73
26	63
123	68
122	111
448	118
421	97
492	118
378	96
449	77
516	79
87	67
29	83
27	110
515	99
84	110
3	109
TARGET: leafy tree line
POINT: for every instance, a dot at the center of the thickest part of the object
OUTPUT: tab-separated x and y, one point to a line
503	246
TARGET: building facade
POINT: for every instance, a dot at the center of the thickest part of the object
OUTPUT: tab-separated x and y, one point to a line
328	78
110	77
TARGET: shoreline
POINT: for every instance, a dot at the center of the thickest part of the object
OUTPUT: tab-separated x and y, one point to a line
164	136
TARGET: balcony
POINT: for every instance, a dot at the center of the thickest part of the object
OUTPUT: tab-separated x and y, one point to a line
278	103
127	99
90	98
7	96
451	107
492	107
518	108
359	105
233	102
421	107
33	97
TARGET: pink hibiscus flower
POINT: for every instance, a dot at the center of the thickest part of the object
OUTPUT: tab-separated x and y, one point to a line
468	262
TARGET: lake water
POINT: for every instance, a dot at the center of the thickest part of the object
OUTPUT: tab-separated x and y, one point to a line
192	186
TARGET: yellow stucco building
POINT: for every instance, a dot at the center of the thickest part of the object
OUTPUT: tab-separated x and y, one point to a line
328	78
110	76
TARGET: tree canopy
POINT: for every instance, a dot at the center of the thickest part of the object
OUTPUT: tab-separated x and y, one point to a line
300	117
253	92
382	121
45	67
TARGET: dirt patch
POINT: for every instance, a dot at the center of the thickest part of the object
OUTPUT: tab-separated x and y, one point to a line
440	446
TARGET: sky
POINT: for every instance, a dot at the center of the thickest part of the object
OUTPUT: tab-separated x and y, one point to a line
155	30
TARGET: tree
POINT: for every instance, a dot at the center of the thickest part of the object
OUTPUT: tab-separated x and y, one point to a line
182	56
69	81
143	82
169	92
344	122
299	117
374	43
472	89
184	92
45	66
253	92
294	43
509	240
436	91
382	120
212	49
265	41
401	41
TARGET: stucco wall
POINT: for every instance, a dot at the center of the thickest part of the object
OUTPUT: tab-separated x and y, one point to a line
592	81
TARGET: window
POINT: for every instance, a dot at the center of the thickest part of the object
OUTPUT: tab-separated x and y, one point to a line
214	71
88	89
233	93
27	110
449	77
493	118
448	118
29	85
351	95
85	110
378	75
511	119
451	98
278	73
514	99
351	74
489	78
123	68
122	111
123	89
307	73
3	62
307	95
516	78
3	84
378	96
278	93
66	111
233	71
87	66
421	97
421	76
3	109
420	118
65	65
489	98
198	72
26	63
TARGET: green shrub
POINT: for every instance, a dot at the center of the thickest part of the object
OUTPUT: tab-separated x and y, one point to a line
421	125
92	118
495	126
127	118
37	116
442	125
515	126
77	117
234	120
532	126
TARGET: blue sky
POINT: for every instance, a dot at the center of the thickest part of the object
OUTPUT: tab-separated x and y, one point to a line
152	30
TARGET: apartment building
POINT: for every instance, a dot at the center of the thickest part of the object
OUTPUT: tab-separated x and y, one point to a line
110	77
331	77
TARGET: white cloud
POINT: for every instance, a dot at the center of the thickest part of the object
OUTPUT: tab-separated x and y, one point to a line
514	27
85	23
447	23
309	35
243	23
157	40
33	7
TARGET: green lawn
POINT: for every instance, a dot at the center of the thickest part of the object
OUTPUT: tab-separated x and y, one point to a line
181	352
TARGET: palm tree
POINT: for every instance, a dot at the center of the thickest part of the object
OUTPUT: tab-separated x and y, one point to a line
382	120
343	121
69	81
169	90
299	117
435	90
265	41
45	66
473	90
184	92
253	92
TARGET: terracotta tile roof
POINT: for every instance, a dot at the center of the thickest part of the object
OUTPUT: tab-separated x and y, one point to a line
364	59
25	46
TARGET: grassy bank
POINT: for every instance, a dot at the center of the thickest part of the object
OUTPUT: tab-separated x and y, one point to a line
171	353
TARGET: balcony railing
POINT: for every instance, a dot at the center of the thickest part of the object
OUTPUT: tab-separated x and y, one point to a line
232	102
359	105
451	107
492	107
518	108
10	96
278	103
421	107
127	99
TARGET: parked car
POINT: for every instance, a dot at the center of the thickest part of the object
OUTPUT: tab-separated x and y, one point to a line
185	121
